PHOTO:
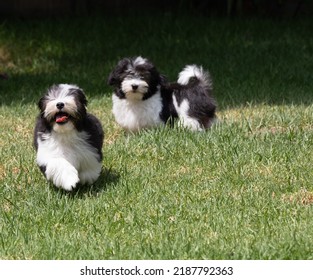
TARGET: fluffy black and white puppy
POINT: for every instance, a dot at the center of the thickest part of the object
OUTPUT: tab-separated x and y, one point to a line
68	140
141	98
192	98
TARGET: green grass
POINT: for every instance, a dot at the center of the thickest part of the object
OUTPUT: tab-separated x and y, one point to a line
242	190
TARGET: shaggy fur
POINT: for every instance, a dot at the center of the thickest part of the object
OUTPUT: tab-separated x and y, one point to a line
142	97
67	139
192	98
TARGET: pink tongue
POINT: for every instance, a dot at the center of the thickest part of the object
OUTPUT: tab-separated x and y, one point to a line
61	119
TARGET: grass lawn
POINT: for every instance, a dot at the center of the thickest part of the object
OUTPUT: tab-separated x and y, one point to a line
243	190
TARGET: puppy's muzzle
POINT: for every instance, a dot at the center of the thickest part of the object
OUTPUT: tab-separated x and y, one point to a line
60	105
61	117
134	87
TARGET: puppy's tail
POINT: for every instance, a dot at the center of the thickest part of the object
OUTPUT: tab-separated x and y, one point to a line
195	74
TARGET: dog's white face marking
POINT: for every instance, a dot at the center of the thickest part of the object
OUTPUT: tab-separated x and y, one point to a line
52	109
134	84
134	88
62	102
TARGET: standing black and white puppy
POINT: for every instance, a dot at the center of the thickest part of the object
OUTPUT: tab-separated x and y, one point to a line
68	140
192	98
143	99
140	98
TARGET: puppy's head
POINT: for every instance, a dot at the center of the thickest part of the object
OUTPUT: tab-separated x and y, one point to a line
63	107
135	78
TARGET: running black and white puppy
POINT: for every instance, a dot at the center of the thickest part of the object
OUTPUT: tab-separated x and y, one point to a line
143	98
67	139
140	99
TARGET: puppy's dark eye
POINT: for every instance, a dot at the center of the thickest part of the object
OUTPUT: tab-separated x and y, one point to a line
130	72
145	76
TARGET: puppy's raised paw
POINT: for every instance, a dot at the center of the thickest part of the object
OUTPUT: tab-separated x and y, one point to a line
62	174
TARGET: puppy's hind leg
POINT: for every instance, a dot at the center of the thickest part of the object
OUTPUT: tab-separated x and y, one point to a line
63	174
185	120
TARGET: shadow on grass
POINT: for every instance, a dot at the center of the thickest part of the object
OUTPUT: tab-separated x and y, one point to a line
24	88
107	179
28	89
251	61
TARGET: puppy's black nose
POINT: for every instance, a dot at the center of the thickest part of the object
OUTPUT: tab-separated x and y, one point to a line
60	105
134	86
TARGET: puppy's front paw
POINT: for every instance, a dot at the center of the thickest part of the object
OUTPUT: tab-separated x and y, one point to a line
62	174
69	180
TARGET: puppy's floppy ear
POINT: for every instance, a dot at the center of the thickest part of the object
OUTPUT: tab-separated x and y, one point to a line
42	103
115	75
113	79
156	77
163	80
81	102
81	96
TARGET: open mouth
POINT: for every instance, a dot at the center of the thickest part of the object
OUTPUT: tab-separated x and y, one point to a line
61	118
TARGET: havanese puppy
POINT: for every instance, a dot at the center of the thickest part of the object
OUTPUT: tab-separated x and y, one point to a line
68	140
192	98
143	98
140	99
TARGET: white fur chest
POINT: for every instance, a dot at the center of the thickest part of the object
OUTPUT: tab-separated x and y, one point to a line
71	146
134	115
